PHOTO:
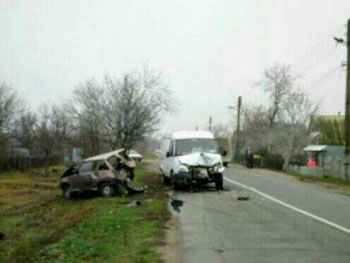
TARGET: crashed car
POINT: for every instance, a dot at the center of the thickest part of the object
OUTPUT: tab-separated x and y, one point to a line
104	172
188	157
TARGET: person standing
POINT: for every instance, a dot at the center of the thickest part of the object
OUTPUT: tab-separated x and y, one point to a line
249	158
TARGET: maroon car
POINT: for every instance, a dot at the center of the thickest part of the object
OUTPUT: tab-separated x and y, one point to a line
104	172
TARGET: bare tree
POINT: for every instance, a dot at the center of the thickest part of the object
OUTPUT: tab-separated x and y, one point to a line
281	127
255	126
85	110
222	130
119	112
298	110
10	106
50	133
277	83
135	107
24	129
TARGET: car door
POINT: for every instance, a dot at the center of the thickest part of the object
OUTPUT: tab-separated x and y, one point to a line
83	180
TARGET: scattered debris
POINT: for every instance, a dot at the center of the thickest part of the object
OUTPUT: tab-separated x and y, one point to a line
243	198
135	203
134	189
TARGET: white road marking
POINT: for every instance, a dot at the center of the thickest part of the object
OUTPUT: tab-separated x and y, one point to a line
320	219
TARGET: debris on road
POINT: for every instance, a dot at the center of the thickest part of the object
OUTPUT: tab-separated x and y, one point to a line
243	196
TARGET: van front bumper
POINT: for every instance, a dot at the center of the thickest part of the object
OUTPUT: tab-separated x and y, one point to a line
181	178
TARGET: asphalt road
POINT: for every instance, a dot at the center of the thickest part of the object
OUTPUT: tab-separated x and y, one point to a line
216	227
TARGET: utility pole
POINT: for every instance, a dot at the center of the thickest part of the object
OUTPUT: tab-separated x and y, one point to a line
238	128
210	121
347	107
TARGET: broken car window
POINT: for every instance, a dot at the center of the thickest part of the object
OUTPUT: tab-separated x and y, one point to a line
86	167
101	166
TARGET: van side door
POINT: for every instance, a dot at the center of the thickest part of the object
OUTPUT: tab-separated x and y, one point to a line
164	146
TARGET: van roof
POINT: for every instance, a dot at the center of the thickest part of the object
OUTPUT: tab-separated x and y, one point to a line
192	134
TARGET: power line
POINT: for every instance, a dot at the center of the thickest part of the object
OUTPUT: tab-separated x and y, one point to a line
310	59
325	76
312	64
316	48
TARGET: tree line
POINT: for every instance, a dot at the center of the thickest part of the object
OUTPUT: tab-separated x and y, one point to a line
99	116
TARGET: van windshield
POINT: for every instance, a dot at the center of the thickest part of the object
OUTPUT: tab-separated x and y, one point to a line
188	146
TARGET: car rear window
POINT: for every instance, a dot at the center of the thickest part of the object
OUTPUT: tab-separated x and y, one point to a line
101	166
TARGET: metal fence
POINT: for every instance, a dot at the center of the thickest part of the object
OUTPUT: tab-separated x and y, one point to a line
332	167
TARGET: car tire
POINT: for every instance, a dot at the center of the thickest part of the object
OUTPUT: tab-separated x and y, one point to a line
67	192
175	185
166	180
106	190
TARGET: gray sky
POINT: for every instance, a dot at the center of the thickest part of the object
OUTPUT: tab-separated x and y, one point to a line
209	52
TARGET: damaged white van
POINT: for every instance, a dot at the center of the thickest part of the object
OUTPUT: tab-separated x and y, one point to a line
188	157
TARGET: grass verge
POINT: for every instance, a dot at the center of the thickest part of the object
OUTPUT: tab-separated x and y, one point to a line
40	226
337	185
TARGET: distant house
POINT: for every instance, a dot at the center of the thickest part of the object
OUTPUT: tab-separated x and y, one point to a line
327	137
14	149
327	130
327	144
74	155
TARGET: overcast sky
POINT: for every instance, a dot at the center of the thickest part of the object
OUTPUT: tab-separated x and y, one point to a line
210	52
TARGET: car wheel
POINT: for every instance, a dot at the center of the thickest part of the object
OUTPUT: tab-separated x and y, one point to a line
67	192
107	190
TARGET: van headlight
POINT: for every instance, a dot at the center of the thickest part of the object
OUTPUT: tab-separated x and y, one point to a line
217	168
183	169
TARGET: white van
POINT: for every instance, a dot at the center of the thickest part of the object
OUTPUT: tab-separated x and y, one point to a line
188	157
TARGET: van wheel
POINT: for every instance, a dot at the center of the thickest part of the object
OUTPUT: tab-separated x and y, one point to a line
219	182
106	190
174	184
166	180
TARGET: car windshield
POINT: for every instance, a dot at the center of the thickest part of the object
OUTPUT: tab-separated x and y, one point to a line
187	146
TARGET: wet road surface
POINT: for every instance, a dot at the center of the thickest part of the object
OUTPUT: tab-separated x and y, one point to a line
216	227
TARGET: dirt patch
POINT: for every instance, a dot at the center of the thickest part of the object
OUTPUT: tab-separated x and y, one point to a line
169	250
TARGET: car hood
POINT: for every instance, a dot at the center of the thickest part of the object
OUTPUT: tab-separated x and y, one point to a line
200	159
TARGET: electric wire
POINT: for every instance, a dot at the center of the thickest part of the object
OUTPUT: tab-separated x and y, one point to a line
309	60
